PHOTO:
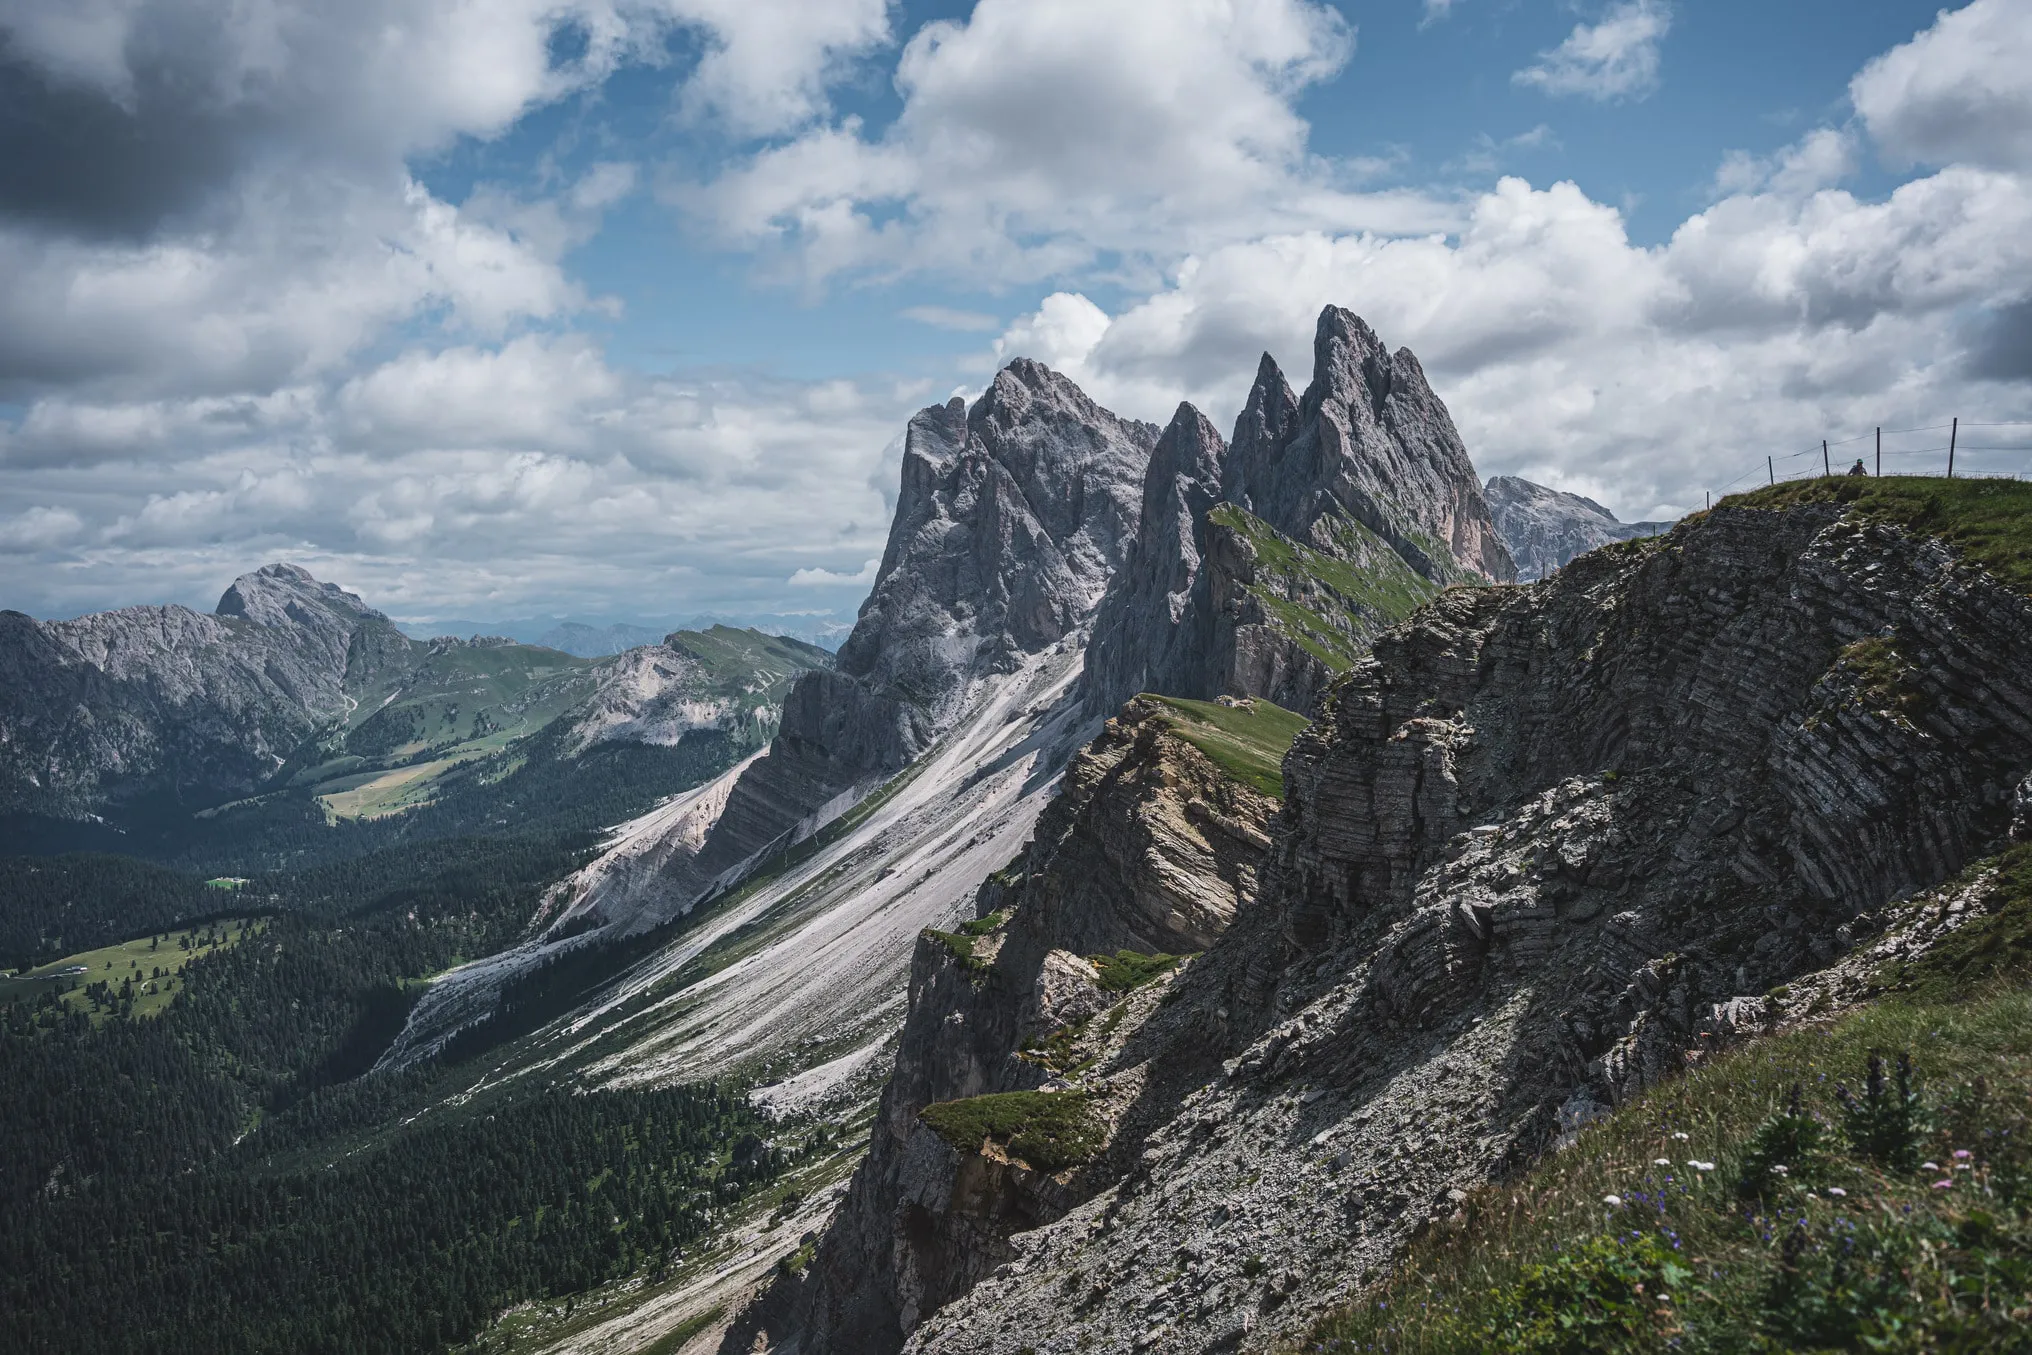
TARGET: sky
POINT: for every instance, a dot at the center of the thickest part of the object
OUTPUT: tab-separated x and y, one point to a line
612	308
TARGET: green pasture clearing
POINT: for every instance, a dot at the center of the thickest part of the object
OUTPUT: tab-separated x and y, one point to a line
1248	742
151	967
379	793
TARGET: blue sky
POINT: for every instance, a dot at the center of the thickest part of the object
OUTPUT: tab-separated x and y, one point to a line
616	307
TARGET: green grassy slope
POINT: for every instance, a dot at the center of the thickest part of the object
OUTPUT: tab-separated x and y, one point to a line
1988	521
1247	742
1786	1197
1328	602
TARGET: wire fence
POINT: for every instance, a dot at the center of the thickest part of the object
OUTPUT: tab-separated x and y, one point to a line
1956	449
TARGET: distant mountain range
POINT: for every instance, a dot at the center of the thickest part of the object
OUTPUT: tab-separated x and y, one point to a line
600	636
296	689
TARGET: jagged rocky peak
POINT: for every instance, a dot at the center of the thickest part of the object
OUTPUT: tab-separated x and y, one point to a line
1156	627
201	707
1263	567
1543	850
1545	528
1011	518
277	595
1370	438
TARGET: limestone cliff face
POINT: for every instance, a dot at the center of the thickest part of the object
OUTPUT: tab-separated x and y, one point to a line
1544	528
1148	848
168	704
1537	851
1370	440
1011	518
1159	627
1264	567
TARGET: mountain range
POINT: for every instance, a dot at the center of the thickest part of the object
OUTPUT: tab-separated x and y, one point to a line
295	690
596	639
1211	870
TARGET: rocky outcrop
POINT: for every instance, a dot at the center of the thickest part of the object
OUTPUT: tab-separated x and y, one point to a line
1544	528
1158	628
1537	852
1011	518
1265	567
1149	848
722	678
1369	440
169	706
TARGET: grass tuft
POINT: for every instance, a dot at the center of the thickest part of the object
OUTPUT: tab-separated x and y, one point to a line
1127	970
1048	1131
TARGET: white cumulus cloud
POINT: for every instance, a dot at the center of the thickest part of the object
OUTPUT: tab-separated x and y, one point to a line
1617	58
1958	93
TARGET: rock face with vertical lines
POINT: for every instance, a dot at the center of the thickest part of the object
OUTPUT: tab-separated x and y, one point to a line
1265	565
1537	852
1011	518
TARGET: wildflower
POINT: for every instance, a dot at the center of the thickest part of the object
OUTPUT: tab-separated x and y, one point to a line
1942	1184
1837	1192
1661	1161
1682	1137
1613	1201
1698	1165
1929	1166
1780	1169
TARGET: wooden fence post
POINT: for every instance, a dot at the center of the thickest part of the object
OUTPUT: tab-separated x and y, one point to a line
1880	453
1771	470
1825	467
1953	432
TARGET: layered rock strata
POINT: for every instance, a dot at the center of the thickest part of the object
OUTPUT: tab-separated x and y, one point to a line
1264	567
1537	852
1149	848
1544	528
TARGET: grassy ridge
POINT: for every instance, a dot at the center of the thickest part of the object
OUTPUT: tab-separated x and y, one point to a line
1367	583
1988	521
1790	1196
1247	742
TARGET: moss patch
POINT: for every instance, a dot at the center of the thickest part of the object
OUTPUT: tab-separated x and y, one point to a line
1887	675
1988	521
962	947
1247	742
1127	970
1049	1131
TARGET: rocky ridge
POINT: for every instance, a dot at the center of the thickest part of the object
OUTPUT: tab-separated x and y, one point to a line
1264	566
172	704
1150	848
1011	518
1537	851
1545	528
292	683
